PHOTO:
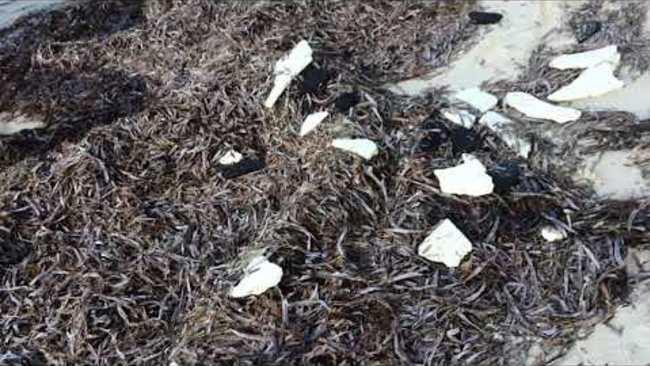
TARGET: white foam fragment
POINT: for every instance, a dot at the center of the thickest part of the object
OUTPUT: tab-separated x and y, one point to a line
551	233
585	60
287	68
260	275
469	178
312	121
477	98
536	108
445	244
10	125
502	126
459	117
365	148
593	82
230	157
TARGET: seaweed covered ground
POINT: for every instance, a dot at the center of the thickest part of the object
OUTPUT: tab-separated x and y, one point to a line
120	236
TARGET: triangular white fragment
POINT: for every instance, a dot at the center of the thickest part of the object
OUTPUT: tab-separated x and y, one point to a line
446	244
312	121
536	108
585	60
260	275
469	178
365	148
550	233
230	157
477	98
10	125
287	68
459	117
593	82
500	125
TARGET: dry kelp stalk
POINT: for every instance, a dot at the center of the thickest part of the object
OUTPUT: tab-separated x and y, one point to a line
121	239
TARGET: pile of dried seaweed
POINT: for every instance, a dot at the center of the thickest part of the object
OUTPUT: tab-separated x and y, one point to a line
120	239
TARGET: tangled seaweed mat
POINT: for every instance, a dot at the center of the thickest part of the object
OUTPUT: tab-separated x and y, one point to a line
120	239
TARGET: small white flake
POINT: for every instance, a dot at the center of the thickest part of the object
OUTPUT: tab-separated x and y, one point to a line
459	117
365	148
593	82
10	125
477	98
585	60
551	234
260	276
536	108
445	244
501	125
287	68
231	157
312	121
469	178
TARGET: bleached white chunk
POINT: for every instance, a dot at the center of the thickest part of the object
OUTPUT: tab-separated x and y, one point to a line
469	178
365	148
459	117
551	233
477	98
260	275
502	126
287	68
593	82
10	125
445	244
312	121
585	60
536	108
230	157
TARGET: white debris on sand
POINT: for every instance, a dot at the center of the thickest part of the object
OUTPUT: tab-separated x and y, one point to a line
585	60
477	98
593	82
501	125
312	121
287	68
551	233
260	275
445	244
365	148
230	157
459	117
536	108
10	125
469	178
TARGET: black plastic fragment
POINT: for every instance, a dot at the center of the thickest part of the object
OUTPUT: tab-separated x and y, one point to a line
505	176
587	29
464	140
345	101
484	17
313	79
245	166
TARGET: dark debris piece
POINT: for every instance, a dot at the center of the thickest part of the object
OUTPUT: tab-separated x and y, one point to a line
505	176
313	79
346	101
245	166
484	17
464	140
587	29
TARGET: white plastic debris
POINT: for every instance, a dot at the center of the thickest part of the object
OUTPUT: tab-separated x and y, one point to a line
446	244
551	233
365	148
260	275
585	60
230	157
287	68
502	126
312	121
593	82
10	125
459	117
477	98
469	178
536	108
